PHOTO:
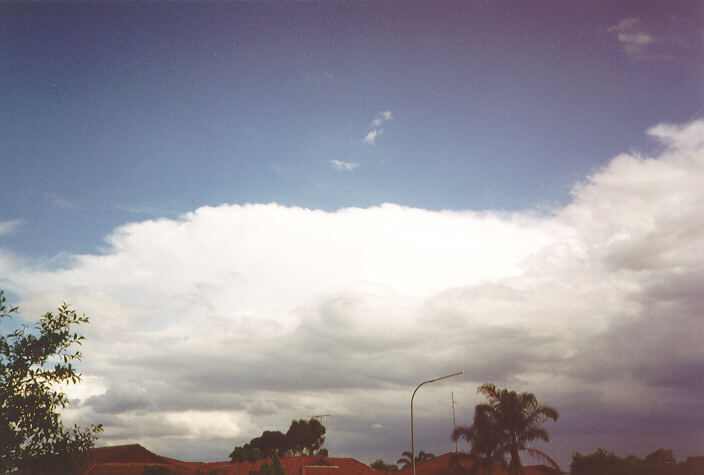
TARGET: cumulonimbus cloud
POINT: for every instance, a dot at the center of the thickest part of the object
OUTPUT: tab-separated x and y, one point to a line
256	314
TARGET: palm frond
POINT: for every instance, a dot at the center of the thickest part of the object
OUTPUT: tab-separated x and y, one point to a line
540	455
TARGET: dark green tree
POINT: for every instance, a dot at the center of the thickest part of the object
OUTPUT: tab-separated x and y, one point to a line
270	442
273	468
520	418
658	462
381	465
304	437
422	456
487	441
246	454
405	459
34	360
661	459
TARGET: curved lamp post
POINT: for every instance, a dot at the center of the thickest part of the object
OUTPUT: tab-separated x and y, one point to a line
413	447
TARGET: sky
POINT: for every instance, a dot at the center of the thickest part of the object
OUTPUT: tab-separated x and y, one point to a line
276	210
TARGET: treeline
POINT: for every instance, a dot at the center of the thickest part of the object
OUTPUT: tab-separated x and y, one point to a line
302	438
602	462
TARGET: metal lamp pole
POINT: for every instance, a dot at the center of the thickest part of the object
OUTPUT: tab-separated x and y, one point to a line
413	446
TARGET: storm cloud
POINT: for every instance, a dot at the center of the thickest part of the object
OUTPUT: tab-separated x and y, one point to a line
207	329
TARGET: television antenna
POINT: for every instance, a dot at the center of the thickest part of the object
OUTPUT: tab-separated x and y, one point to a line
454	425
320	417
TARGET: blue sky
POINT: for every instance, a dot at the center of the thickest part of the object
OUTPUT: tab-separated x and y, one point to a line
114	108
540	165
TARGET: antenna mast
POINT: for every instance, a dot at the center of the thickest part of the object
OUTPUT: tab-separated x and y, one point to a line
453	417
320	417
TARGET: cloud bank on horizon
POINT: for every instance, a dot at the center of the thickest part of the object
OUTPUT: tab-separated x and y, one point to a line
207	329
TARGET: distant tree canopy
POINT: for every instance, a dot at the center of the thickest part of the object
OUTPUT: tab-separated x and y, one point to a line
381	465
422	456
603	462
302	438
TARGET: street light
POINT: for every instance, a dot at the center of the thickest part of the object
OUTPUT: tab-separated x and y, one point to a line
413	446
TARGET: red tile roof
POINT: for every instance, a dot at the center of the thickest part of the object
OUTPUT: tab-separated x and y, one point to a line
133	453
454	463
445	464
133	459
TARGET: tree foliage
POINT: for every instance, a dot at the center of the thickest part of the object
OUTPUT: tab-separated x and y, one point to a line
504	426
603	462
273	468
246	453
487	441
422	456
381	465
34	361
302	438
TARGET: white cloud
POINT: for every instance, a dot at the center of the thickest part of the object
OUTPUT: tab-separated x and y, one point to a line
7	227
370	138
380	118
238	318
632	36
343	166
60	202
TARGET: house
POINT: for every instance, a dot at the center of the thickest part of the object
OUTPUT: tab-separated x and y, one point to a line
458	463
134	459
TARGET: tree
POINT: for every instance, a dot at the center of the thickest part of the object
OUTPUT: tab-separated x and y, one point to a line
422	456
519	417
600	462
304	437
246	454
34	361
661	459
273	468
381	465
486	438
603	462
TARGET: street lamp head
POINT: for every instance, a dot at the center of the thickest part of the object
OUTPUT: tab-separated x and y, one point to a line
445	377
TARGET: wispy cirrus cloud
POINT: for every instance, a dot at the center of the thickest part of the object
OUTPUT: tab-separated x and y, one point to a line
379	119
7	227
61	202
632	36
339	165
370	138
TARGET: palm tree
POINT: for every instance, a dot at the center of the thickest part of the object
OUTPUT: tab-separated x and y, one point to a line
487	440
422	456
405	459
520	417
